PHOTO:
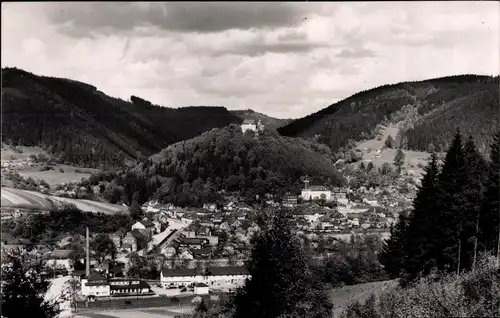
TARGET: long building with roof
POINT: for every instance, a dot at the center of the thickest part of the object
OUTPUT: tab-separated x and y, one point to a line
210	276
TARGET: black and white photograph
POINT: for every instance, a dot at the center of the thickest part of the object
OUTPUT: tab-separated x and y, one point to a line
242	159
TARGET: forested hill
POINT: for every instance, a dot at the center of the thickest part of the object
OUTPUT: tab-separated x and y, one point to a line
191	172
429	112
267	121
83	126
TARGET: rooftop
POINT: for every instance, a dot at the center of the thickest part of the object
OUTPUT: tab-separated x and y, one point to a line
62	254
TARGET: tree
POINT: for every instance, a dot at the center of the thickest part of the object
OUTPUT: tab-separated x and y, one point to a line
102	246
281	283
369	166
389	142
399	160
449	209
201	308
422	220
473	171
135	210
394	251
490	209
24	287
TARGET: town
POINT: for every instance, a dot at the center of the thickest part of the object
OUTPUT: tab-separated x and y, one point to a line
198	250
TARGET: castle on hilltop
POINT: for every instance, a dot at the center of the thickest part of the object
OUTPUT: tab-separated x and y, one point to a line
249	124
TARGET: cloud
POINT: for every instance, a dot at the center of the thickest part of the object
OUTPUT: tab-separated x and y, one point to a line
81	18
356	53
283	59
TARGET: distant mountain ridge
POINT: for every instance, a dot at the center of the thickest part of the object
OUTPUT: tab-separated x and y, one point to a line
267	121
83	126
428	112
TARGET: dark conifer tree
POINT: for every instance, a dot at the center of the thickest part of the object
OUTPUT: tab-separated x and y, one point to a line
473	172
449	211
393	253
281	283
423	220
490	210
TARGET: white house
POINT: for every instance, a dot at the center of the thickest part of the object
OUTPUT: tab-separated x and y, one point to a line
315	192
98	286
249	124
95	285
179	277
143	225
201	289
210	276
62	258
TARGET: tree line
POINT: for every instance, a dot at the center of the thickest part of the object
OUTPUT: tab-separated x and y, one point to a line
455	215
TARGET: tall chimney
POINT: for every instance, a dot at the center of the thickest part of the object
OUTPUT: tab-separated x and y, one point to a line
87	245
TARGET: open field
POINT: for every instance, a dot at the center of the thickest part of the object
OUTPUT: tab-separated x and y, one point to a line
342	297
22	153
61	174
19	159
163	312
34	200
372	151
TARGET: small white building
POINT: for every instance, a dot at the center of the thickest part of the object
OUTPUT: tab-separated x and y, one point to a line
315	192
95	285
62	258
201	289
249	124
211	276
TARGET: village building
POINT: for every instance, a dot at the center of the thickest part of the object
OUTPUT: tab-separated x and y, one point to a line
129	243
193	242
145	226
62	258
96	285
290	200
201	289
250	124
213	275
315	192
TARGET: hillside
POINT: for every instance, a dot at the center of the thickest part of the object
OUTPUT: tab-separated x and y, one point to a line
15	198
83	126
269	122
428	111
193	171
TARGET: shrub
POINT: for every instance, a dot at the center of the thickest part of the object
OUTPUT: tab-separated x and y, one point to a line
472	294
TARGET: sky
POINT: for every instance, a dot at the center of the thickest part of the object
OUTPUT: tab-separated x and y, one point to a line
286	60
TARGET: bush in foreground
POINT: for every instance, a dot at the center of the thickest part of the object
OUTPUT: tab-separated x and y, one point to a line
472	294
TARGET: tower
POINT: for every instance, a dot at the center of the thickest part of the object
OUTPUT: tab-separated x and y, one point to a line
306	184
87	250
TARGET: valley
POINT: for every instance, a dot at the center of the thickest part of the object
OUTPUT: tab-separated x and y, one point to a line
175	214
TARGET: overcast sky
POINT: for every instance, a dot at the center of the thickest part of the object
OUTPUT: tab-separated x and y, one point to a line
284	59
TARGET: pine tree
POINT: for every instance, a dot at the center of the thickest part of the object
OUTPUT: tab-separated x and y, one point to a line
422	233
449	210
24	287
474	169
389	142
399	160
281	283
490	210
393	253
